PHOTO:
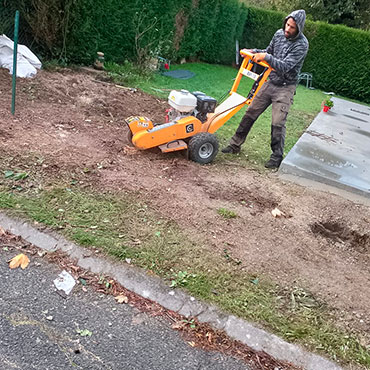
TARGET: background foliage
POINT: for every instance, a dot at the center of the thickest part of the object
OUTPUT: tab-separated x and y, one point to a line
352	13
72	31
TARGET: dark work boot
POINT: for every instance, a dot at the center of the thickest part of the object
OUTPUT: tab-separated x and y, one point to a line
273	163
230	150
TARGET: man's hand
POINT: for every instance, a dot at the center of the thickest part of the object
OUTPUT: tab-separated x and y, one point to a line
258	57
247	50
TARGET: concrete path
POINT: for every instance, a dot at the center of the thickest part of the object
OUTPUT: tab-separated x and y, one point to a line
334	150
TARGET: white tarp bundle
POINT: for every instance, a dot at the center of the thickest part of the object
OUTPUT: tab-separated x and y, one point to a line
27	62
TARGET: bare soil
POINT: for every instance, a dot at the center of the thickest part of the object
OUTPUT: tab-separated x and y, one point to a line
69	121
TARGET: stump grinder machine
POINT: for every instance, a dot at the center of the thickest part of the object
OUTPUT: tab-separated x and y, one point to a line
194	117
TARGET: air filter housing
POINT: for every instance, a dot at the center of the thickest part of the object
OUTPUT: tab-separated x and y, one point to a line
183	101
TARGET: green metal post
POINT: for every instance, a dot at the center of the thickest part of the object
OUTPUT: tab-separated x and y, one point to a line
16	27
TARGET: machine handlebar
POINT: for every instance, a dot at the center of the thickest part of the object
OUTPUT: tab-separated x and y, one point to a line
246	53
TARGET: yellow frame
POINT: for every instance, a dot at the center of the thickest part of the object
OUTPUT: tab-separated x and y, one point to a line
235	102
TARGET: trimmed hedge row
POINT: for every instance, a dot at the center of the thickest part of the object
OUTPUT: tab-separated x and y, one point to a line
206	30
339	59
203	29
260	26
213	28
200	29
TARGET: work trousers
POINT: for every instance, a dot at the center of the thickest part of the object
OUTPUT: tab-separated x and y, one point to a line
281	98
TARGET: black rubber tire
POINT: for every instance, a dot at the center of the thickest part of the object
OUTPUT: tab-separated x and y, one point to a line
129	138
203	148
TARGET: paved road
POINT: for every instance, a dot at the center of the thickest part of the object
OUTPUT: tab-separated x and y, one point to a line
38	329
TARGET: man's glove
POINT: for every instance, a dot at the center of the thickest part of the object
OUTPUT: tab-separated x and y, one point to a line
247	50
258	57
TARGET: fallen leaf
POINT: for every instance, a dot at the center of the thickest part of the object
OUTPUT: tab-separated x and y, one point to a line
277	213
20	260
2	231
178	325
84	333
20	176
209	337
8	174
121	299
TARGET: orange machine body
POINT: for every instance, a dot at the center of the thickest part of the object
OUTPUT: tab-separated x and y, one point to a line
167	132
147	135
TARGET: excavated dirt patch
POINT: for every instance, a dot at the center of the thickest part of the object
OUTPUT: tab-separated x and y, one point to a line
70	125
338	232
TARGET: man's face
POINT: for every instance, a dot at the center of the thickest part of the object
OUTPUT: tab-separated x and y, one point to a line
290	29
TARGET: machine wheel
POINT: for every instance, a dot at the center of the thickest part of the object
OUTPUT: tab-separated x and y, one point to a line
203	148
129	138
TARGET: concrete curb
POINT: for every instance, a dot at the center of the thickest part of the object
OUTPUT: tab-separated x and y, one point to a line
176	300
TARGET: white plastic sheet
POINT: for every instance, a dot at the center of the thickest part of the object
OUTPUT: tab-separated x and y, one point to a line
65	281
27	62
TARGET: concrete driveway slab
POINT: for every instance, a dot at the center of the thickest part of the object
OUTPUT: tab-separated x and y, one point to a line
334	150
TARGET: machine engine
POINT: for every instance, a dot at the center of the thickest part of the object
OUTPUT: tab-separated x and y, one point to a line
185	104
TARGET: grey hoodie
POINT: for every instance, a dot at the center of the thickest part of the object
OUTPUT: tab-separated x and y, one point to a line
286	56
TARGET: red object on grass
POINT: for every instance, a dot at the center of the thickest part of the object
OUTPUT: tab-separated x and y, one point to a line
166	66
325	108
167	118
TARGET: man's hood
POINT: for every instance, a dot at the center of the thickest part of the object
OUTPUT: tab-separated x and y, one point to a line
299	17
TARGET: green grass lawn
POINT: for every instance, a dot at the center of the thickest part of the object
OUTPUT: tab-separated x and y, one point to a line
216	81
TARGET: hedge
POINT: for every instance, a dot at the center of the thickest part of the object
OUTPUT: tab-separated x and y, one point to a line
201	29
339	59
260	26
206	30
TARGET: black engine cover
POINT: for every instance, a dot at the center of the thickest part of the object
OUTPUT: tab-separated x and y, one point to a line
206	104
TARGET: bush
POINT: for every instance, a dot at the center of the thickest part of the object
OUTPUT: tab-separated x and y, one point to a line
213	28
260	26
339	59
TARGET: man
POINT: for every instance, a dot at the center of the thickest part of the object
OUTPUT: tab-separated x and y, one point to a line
285	54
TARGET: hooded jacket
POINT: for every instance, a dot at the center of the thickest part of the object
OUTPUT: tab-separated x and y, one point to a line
286	56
